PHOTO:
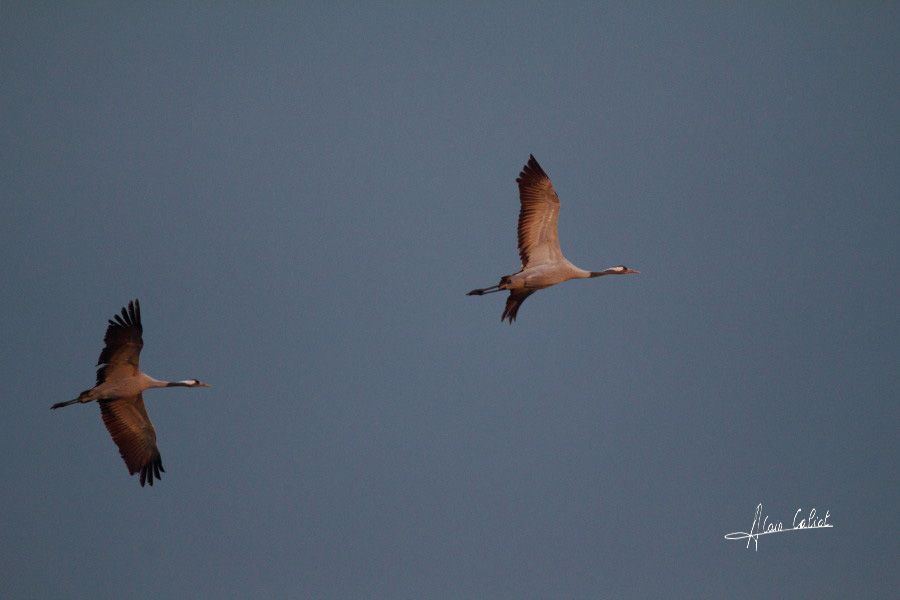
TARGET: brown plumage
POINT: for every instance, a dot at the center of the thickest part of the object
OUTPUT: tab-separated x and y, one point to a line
538	216
129	425
122	345
119	390
543	263
513	302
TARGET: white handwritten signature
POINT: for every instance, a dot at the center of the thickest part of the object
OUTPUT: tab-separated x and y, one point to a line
762	526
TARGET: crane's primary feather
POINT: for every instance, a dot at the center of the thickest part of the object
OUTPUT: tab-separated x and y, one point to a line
123	339
538	216
129	425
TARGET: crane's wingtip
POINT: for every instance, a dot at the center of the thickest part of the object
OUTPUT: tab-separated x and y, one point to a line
151	471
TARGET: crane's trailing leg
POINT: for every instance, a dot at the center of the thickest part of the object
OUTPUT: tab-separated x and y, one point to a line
61	404
82	397
483	291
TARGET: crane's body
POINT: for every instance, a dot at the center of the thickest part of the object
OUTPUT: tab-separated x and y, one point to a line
543	263
123	388
538	277
119	391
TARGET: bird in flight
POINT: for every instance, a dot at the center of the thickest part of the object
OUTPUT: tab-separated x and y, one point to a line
119	388
543	263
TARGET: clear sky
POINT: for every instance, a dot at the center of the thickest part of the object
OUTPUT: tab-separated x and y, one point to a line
300	194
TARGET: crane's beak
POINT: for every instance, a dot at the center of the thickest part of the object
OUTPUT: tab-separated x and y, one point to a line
203	385
629	271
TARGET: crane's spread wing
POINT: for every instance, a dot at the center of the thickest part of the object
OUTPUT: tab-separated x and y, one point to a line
513	302
131	430
123	342
538	216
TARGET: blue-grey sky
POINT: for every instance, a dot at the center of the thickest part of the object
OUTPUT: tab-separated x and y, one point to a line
301	194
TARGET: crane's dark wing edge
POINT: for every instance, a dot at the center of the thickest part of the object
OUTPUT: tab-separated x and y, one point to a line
513	302
538	215
123	341
129	425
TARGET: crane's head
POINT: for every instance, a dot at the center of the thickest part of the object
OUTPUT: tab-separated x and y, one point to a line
192	383
617	270
621	270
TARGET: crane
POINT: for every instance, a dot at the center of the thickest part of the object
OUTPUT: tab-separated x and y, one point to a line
543	263
120	385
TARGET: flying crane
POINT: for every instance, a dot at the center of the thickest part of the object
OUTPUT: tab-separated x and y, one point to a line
543	263
119	389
